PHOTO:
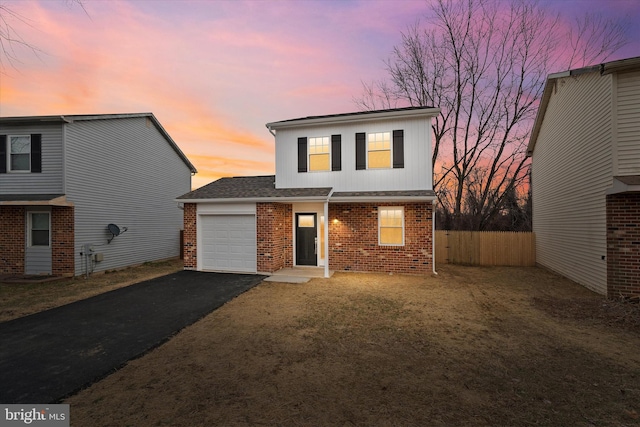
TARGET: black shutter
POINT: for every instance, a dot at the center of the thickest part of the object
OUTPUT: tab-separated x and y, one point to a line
398	149
302	154
36	153
336	152
361	151
3	153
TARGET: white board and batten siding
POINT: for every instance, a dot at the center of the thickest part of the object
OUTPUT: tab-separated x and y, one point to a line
416	174
628	123
571	171
123	171
226	236
51	179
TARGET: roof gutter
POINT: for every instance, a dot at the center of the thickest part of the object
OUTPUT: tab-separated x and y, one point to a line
375	199
271	131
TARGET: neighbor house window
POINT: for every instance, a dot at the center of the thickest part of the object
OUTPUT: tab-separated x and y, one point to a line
39	226
379	150
391	226
319	154
19	159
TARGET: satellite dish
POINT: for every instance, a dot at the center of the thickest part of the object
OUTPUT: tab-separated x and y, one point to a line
115	231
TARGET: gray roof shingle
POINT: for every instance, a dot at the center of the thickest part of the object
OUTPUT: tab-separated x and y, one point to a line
263	187
252	187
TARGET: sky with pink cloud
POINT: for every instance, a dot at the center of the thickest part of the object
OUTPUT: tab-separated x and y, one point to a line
214	72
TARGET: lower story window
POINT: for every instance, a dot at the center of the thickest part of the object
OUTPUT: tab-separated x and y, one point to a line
391	225
39	227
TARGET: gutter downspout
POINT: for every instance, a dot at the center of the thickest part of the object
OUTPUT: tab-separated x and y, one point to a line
327	222
433	237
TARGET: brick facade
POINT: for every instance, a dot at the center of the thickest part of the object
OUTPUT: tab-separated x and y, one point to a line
12	235
189	248
274	236
623	245
62	241
353	239
13	223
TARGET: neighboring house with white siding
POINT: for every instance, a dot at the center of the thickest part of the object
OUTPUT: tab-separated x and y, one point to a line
65	179
585	149
351	192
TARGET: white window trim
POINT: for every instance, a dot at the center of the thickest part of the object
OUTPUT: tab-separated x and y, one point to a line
8	151
309	154
380	209
390	152
30	229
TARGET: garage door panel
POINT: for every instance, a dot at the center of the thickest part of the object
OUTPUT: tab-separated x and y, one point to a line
229	243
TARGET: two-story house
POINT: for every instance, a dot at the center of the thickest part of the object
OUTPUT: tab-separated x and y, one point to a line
352	192
70	186
585	149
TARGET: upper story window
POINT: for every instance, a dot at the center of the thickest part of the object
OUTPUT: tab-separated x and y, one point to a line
21	153
319	154
379	150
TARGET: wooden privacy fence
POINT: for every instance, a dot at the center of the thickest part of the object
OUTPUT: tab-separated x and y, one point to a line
485	248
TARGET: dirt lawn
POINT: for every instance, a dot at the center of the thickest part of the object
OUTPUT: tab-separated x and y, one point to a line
473	346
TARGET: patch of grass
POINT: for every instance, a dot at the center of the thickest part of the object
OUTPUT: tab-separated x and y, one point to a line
22	299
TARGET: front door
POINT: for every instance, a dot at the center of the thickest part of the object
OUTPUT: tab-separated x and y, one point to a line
306	239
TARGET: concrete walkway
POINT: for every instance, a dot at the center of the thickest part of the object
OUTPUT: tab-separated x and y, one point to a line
297	274
50	355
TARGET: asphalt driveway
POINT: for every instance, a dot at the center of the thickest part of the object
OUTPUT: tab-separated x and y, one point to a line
49	355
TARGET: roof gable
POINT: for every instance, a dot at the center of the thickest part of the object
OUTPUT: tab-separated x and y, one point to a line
605	68
394	113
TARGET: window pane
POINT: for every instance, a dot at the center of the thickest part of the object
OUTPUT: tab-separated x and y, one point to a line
20	162
390	236
40	221
319	162
40	238
319	145
390	219
20	144
380	159
306	221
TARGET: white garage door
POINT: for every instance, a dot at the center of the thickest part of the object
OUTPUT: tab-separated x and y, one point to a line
229	243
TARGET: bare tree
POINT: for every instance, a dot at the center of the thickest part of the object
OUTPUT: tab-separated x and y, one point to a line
485	67
11	40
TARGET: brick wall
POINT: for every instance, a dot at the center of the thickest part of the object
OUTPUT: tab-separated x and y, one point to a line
12	243
62	241
189	250
353	239
274	236
623	245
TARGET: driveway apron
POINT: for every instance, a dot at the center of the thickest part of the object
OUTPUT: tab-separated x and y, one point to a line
50	355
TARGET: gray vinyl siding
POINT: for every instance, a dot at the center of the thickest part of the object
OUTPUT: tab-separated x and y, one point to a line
50	180
571	171
628	124
123	171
